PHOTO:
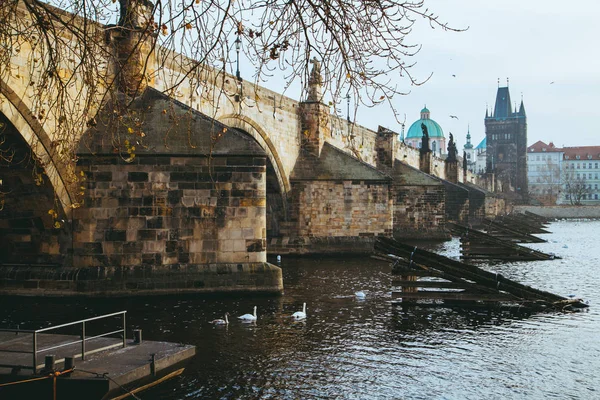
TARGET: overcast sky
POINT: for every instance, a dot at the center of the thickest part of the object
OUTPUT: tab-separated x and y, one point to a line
531	42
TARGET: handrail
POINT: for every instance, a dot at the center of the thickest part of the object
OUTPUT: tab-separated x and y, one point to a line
80	321
83	339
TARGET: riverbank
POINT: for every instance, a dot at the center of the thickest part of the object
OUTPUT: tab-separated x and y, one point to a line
560	212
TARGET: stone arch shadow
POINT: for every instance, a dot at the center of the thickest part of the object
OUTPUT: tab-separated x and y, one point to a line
35	204
278	185
38	140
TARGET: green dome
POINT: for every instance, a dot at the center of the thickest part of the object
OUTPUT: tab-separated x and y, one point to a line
433	128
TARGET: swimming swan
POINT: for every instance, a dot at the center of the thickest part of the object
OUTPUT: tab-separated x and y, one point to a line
248	317
221	321
300	314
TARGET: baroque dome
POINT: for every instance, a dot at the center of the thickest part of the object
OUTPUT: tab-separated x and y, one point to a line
433	128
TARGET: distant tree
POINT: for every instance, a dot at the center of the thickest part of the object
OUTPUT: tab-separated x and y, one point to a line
576	188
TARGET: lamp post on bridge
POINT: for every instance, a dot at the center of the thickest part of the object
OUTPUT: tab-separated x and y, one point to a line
238	47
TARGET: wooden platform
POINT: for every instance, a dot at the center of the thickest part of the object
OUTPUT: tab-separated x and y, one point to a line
109	369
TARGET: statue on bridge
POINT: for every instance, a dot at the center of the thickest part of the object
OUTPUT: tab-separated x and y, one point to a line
452	152
315	73
424	139
314	81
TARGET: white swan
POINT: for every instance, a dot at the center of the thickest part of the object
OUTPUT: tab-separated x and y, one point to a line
360	294
300	314
248	317
221	321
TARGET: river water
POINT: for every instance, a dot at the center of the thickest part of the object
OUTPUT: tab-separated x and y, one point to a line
371	349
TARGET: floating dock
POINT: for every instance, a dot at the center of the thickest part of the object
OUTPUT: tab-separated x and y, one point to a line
43	365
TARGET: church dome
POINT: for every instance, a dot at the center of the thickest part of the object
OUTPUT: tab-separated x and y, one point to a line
433	128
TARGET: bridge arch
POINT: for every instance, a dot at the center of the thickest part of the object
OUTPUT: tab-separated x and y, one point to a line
278	188
35	136
253	129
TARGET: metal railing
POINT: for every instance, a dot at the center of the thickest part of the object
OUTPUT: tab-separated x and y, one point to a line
35	351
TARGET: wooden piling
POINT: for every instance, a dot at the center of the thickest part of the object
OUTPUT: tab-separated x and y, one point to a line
445	279
478	245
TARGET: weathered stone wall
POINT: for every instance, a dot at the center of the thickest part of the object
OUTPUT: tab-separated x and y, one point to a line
171	211
496	206
140	280
341	208
419	212
457	203
353	139
477	199
33	228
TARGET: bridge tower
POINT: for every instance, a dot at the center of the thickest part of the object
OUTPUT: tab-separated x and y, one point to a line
506	136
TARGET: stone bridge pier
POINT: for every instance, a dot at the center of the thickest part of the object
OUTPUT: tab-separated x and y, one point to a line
179	209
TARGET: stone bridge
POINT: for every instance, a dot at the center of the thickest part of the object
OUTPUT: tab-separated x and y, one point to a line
190	189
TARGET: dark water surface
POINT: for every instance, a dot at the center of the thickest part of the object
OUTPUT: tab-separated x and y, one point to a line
370	349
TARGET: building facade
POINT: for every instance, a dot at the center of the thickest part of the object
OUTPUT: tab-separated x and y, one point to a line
544	172
580	176
506	144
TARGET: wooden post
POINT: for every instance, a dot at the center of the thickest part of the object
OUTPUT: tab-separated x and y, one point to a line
408	289
49	362
34	353
124	332
153	365
83	341
137	336
69	364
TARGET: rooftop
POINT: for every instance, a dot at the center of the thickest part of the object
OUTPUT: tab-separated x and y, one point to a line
541	147
582	153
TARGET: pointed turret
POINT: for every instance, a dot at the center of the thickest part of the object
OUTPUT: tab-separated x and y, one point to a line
468	145
522	109
503	108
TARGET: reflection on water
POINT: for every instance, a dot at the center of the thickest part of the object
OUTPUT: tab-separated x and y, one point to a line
351	348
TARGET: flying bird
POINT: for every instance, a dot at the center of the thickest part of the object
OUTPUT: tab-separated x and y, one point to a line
552	82
454	116
454	75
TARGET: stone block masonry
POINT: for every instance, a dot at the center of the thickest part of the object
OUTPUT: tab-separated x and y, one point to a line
171	211
341	208
419	212
187	212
